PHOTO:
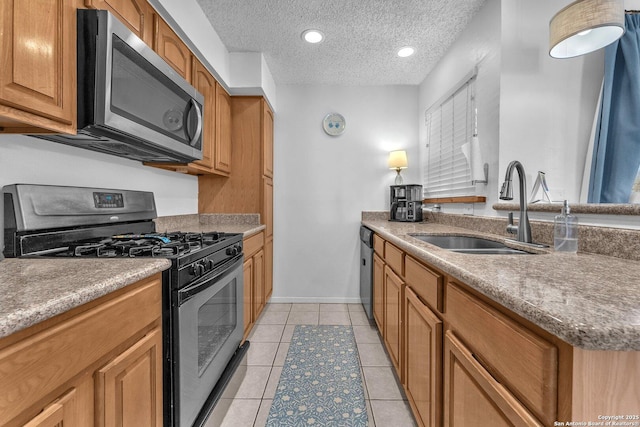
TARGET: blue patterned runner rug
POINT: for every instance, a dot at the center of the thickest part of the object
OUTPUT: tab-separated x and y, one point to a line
320	383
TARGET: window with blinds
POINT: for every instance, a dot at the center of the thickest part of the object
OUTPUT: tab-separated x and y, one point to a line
449	124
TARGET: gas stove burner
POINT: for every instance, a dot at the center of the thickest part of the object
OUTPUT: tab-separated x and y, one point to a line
85	249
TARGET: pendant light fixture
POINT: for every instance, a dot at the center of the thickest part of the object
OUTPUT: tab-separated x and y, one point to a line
584	26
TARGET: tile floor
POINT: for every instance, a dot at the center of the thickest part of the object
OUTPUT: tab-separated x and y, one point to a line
270	338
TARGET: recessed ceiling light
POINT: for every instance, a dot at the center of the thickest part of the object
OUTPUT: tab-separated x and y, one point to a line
406	51
312	36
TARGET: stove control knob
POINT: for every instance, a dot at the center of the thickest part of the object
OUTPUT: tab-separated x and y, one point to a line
197	269
210	264
233	251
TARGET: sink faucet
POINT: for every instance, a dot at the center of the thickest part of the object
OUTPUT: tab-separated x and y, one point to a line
523	230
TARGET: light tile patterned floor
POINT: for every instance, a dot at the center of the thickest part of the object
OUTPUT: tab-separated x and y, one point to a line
249	405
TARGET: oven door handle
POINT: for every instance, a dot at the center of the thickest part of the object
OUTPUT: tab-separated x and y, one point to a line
211	279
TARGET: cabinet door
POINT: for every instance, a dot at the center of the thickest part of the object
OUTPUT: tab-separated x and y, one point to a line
222	152
38	77
247	273
173	50
472	397
62	412
423	360
204	82
268	269
393	316
258	284
378	292
267	206
267	140
135	14
129	388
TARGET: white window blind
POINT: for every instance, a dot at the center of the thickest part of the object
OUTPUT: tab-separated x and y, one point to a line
449	124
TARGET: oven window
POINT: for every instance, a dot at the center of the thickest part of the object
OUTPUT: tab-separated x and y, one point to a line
216	321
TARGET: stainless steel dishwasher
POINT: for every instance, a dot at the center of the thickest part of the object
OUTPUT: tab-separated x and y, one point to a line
366	270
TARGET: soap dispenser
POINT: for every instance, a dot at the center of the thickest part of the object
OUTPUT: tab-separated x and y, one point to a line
565	231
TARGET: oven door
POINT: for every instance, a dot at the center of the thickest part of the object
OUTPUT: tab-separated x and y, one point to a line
209	317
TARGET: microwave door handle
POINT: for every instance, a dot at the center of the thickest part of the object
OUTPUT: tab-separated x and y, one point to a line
194	106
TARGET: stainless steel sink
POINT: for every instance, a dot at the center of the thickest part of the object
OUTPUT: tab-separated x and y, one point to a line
469	245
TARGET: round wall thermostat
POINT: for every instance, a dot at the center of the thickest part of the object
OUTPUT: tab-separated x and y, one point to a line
334	124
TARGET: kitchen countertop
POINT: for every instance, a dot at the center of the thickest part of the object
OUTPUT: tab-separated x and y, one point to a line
589	301
33	290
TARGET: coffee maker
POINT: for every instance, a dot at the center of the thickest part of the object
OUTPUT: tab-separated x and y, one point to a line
406	203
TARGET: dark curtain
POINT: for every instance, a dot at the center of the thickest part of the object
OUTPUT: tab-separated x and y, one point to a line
616	151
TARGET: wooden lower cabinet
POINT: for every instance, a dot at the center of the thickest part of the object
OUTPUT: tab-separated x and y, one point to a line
258	284
255	293
378	292
472	397
268	268
99	364
393	289
129	388
247	274
422	360
62	412
467	361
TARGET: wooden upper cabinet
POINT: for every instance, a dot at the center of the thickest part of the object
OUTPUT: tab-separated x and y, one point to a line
38	66
171	48
222	151
135	14
267	206
204	83
216	136
267	140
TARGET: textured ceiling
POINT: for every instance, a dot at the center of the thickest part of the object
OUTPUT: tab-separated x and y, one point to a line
361	36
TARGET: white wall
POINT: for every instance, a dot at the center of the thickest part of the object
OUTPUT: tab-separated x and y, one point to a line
323	183
34	161
478	45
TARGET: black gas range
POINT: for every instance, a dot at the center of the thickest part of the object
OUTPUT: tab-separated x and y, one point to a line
202	291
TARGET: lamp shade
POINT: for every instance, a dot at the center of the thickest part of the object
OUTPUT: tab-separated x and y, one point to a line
585	26
398	159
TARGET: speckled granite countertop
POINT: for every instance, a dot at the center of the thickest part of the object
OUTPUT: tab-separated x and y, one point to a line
33	290
589	301
247	224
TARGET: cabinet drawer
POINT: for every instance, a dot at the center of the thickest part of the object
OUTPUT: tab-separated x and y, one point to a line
394	258
253	244
378	245
521	360
473	397
426	283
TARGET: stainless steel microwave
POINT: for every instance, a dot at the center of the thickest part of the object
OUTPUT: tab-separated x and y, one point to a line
131	103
